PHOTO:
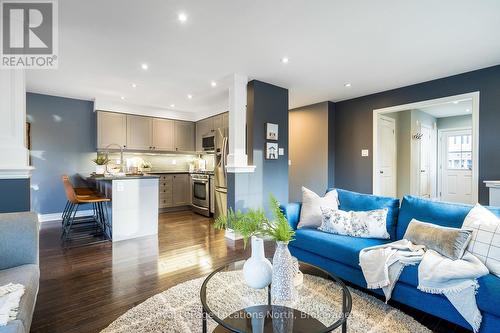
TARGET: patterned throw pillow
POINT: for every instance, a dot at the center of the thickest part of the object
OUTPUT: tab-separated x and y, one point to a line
485	243
364	224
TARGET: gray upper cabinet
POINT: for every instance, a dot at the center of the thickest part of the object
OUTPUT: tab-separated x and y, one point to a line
218	122
139	132
184	134
111	129
180	190
203	127
163	134
225	123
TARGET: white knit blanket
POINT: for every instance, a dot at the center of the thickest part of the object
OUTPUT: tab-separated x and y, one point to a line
10	296
456	279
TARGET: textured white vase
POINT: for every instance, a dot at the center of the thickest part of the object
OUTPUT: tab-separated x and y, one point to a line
100	169
284	271
257	270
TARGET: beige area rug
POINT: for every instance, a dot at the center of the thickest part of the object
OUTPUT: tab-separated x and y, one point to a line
178	309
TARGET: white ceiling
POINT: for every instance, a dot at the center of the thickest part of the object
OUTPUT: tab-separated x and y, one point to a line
450	109
375	45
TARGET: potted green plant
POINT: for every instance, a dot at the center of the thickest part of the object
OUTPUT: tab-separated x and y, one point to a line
100	163
284	267
257	270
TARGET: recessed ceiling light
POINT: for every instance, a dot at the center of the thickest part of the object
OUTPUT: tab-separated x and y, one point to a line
145	66
182	17
134	85
213	84
190	96
122	98
172	105
347	85
284	60
467	110
456	102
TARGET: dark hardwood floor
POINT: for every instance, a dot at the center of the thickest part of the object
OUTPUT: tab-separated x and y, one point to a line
83	289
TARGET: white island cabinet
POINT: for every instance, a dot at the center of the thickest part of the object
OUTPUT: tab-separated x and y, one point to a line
133	210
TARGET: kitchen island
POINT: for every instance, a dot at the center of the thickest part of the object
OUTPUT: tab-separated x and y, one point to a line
133	210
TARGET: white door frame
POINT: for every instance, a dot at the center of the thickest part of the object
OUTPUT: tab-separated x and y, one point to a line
418	105
440	156
395	155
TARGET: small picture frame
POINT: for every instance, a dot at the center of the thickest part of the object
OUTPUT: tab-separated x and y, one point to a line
271	150
271	131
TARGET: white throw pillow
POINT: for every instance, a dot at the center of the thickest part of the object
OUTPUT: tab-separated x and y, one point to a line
485	243
310	213
364	224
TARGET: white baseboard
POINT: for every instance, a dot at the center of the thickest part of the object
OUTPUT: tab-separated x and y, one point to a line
57	216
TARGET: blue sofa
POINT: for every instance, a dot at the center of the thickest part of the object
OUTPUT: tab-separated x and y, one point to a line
339	254
19	264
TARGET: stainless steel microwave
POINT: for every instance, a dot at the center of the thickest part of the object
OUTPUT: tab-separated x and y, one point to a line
208	142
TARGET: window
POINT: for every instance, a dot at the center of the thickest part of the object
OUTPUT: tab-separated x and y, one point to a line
460	152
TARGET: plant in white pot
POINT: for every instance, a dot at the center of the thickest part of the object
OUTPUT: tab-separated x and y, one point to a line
100	163
257	270
284	267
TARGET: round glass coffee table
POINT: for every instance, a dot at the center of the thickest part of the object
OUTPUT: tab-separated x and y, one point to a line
323	303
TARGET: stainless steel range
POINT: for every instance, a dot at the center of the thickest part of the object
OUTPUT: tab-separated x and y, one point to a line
200	188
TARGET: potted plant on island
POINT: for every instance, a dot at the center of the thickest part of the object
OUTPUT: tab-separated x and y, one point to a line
100	163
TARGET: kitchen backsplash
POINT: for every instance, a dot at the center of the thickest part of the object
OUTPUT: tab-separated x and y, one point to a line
164	162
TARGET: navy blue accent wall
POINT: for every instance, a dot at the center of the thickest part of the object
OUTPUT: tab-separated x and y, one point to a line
331	144
63	136
266	103
14	195
353	125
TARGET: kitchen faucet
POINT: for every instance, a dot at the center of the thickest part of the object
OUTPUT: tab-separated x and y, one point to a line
121	154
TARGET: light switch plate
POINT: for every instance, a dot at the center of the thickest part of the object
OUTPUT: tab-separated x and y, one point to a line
365	152
281	151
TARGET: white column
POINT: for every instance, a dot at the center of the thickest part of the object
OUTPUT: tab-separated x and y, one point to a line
14	161
237	160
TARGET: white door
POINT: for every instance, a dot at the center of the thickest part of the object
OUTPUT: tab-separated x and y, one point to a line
456	166
425	162
386	156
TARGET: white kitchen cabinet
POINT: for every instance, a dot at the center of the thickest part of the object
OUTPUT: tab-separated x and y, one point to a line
139	132
180	190
163	134
111	129
184	135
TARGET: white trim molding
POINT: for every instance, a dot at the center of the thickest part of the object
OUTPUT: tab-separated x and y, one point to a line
474	96
17	173
57	216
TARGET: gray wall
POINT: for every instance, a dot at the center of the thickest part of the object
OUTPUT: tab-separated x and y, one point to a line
63	136
353	125
266	103
455	122
308	140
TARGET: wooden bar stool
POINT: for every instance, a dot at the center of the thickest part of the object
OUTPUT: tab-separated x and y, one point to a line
99	218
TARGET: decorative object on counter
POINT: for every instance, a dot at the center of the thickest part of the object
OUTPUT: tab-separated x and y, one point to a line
100	163
257	270
145	166
271	131
271	150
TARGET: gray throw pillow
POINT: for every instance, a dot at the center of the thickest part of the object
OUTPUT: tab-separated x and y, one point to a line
449	242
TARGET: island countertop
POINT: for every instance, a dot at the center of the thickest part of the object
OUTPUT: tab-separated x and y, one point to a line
110	178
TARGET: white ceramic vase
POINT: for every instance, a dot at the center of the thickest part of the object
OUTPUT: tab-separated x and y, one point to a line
100	169
257	270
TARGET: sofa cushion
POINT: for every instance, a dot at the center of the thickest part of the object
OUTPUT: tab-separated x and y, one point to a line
487	296
28	276
344	249
441	213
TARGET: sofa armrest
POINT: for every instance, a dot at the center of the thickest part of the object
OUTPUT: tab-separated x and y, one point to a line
18	239
292	213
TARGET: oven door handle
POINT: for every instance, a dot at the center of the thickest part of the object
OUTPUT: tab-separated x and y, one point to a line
195	181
